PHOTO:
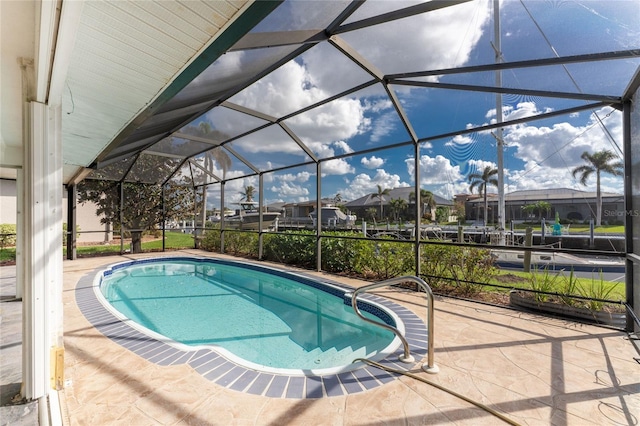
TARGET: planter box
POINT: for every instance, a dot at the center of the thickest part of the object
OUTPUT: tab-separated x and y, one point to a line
614	319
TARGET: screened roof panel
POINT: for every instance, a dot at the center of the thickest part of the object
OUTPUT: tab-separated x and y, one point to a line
331	129
301	15
227	75
128	149
217	164
231	123
568	28
269	148
296	90
179	146
577	78
152	168
435	111
187	112
182	175
303	82
443	38
114	171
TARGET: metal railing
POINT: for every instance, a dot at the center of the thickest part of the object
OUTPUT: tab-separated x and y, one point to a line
406	357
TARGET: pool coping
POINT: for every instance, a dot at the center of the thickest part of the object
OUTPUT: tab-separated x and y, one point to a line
216	368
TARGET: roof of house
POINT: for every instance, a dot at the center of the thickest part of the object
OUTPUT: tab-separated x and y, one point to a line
395	193
533	195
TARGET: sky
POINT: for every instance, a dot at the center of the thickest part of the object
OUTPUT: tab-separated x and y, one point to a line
538	154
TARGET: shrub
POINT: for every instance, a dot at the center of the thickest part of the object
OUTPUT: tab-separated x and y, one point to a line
235	242
293	248
543	281
64	233
211	240
597	289
7	235
467	267
446	268
340	255
383	260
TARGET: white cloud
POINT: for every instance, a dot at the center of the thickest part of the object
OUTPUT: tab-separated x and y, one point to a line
308	79
343	146
438	175
364	184
338	166
550	153
290	177
460	140
388	47
372	162
521	110
288	191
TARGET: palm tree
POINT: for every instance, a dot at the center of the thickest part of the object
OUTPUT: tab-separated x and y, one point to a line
537	207
397	206
371	212
381	193
480	181
601	161
248	193
427	199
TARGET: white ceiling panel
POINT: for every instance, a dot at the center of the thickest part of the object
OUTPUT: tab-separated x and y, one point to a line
126	54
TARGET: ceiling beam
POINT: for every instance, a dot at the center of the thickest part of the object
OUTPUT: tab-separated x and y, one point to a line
562	60
507	90
398	14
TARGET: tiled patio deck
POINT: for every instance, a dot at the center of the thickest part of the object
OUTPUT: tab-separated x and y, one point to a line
534	370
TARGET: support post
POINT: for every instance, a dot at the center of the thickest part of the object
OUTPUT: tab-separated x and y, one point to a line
260	206
631	119
222	223
319	217
528	239
42	300
164	219
71	222
121	217
418	233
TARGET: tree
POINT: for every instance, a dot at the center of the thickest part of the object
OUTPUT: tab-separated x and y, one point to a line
248	193
601	161
142	206
381	193
215	155
397	206
427	199
442	214
537	207
371	212
481	181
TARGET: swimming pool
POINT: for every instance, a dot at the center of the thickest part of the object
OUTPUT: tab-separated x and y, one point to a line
263	318
227	371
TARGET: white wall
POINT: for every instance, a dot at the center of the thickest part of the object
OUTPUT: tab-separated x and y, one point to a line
8	201
86	216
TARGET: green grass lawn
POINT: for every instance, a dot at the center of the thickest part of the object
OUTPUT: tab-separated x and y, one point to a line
579	228
588	287
173	241
7	254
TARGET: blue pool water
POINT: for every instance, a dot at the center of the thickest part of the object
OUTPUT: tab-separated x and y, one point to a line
268	318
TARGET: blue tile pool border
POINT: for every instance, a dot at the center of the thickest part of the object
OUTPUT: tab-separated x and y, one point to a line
216	368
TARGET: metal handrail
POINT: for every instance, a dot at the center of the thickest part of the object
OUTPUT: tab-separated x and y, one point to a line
406	357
